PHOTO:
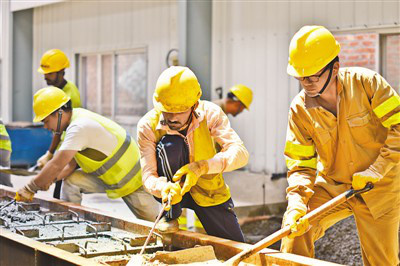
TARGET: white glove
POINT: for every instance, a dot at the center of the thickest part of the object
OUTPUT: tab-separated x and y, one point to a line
41	162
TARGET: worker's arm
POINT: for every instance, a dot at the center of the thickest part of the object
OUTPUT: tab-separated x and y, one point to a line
68	170
301	161
233	154
54	167
45	177
146	141
385	103
41	162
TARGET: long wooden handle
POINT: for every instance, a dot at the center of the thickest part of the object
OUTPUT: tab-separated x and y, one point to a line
285	231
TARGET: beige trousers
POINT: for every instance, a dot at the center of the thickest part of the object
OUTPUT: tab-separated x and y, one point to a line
141	203
379	238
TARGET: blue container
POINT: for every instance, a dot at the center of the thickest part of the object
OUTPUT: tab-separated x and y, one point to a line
28	144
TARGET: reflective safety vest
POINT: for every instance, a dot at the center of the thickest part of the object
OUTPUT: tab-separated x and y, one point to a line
72	91
120	171
5	143
210	189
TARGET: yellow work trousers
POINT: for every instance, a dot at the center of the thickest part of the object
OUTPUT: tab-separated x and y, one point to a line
379	238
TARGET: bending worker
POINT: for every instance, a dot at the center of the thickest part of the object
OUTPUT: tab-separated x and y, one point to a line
52	66
5	154
105	152
343	132
238	98
178	157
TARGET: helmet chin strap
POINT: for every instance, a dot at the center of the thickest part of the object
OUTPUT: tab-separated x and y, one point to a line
326	83
58	132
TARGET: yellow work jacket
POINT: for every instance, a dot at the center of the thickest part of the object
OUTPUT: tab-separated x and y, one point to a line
72	91
210	189
365	132
5	143
120	172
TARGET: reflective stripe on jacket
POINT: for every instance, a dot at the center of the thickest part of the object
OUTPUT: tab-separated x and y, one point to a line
5	143
366	131
120	171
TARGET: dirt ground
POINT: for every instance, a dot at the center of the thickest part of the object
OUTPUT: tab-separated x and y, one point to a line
340	243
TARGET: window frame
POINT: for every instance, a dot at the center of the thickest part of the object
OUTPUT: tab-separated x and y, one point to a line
383	32
130	120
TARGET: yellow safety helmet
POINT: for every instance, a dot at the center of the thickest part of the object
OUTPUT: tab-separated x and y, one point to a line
177	90
243	93
53	60
48	100
310	50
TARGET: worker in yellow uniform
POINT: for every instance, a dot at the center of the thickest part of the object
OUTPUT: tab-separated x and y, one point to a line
343	132
107	155
52	66
178	157
5	154
238	98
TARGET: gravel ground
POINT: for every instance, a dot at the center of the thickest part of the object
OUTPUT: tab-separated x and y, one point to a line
340	243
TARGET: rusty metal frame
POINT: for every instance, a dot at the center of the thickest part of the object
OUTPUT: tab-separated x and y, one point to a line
36	253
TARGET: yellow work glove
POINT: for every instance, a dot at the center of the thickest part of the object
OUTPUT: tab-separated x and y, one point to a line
27	192
361	179
173	189
298	225
41	162
193	172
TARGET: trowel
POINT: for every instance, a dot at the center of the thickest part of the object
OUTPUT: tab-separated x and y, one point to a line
20	171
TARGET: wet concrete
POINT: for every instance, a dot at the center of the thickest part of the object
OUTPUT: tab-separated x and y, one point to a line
65	231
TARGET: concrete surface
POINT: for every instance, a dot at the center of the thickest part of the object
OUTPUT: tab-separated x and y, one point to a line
248	193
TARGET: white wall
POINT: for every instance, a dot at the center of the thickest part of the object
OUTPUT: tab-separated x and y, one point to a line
98	26
250	46
5	56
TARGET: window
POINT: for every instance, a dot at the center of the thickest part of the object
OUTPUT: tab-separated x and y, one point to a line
377	51
390	63
115	84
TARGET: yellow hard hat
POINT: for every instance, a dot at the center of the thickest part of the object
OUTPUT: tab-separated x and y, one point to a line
310	50
177	90
48	100
53	60
243	93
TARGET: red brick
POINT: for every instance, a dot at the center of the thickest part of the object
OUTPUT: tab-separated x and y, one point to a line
353	57
368	43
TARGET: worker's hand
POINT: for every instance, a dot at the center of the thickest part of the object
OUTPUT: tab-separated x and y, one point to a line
41	162
174	191
298	224
27	192
361	179
193	172
24	195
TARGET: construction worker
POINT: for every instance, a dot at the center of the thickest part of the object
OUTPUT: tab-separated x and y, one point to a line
343	132
5	154
52	66
238	98
105	152
176	142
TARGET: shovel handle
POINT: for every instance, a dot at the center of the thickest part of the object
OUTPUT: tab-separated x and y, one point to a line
285	231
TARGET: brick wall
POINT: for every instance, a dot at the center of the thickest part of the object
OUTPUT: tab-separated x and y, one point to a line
363	49
358	50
